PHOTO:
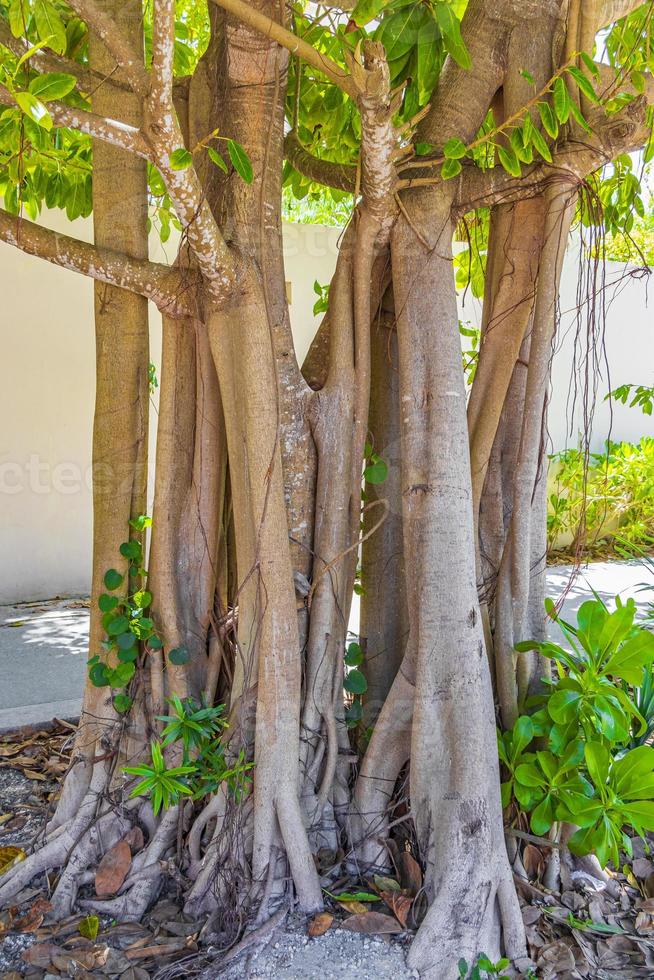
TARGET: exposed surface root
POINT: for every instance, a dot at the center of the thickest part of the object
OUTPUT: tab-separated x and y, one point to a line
479	916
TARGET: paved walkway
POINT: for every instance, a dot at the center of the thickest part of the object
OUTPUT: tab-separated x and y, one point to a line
43	644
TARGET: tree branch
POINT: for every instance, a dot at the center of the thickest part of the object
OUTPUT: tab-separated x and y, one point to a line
340	176
110	130
163	49
160	283
265	25
128	58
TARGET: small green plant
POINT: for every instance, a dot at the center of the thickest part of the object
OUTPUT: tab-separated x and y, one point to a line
164	786
587	774
322	303
355	684
483	968
198	730
129	630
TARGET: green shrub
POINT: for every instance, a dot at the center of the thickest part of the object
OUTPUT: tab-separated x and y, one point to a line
615	495
571	759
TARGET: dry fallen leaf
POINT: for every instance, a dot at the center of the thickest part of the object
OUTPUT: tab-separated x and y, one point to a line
9	856
410	873
532	860
372	924
399	904
33	918
113	869
355	907
134	838
39	955
320	925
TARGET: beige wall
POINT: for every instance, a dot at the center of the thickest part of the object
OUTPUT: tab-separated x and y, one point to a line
47	393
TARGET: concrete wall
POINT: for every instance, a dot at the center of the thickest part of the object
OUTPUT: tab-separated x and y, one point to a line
47	394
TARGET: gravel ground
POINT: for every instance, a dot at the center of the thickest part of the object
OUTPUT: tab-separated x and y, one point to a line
337	955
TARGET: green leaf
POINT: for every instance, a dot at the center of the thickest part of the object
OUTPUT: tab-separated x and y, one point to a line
561	99
216	158
131	550
126	641
451	31
122	703
617	626
34	109
540	144
240	161
543	816
564	705
527	75
523	733
50	26
548	119
450	169
118	625
178	656
180	159
376	471
107	603
586	87
142	521
19	15
53	86
455	148
354	655
355	682
121	674
113	580
98	675
509	161
597	760
629	772
88	927
367	10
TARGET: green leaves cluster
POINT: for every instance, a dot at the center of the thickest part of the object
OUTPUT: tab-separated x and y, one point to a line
198	729
570	760
129	630
596	499
522	143
354	683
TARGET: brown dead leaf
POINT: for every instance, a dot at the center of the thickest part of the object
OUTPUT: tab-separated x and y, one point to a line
532	860
135	973
410	873
40	954
89	959
134	838
642	867
113	869
372	924
648	886
33	918
383	884
399	904
320	924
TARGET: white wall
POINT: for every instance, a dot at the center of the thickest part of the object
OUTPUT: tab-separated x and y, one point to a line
47	393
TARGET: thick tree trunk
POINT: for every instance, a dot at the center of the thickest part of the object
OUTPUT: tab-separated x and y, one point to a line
456	804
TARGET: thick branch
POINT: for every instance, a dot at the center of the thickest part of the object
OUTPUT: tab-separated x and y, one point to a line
109	130
163	49
160	283
265	25
129	58
340	176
